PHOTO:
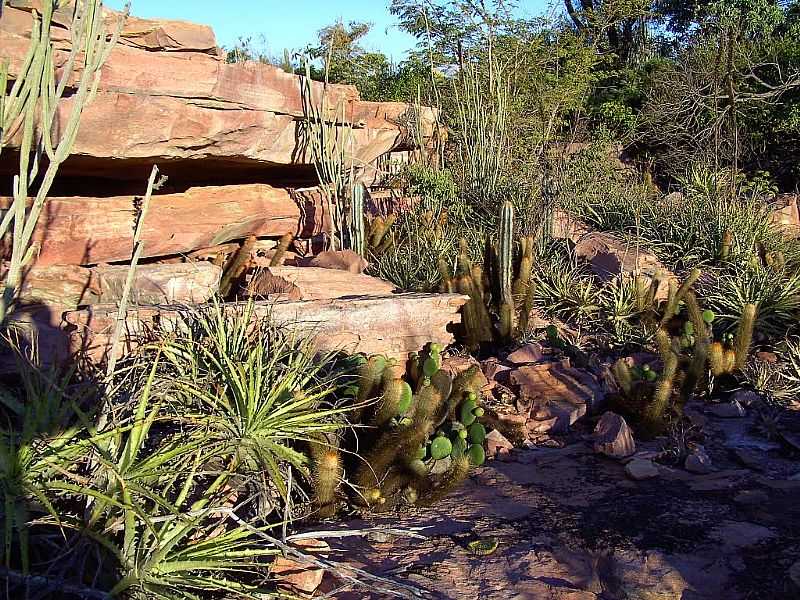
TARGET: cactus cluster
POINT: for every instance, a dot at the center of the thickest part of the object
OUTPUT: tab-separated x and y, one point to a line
687	352
501	297
424	431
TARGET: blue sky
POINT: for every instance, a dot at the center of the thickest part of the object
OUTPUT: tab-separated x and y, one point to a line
291	24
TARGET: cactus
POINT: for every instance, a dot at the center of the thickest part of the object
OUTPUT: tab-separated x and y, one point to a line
356	229
506	252
744	335
237	264
281	249
327	469
396	465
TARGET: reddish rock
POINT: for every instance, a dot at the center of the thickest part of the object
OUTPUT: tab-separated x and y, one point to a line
613	437
527	354
70	286
312	283
497	445
342	260
558	395
94	230
392	326
299	576
210	108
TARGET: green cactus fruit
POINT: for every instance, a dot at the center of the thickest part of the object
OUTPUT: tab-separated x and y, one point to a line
479	412
467	413
477	455
431	366
472	397
462	433
421	453
436	348
477	433
441	447
406	398
651	375
688	328
709	316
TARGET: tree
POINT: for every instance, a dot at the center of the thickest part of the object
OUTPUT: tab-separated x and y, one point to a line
618	25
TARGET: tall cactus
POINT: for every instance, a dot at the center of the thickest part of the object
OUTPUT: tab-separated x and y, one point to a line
31	107
356	228
506	252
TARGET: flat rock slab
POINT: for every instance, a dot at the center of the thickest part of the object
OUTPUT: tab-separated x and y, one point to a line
391	325
570	526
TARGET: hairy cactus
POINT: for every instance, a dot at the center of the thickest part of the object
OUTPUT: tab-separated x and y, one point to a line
281	249
237	264
326	461
439	423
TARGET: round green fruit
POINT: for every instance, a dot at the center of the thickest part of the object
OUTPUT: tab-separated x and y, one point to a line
709	316
651	376
436	348
477	455
430	367
441	447
462	433
479	412
477	433
406	398
467	413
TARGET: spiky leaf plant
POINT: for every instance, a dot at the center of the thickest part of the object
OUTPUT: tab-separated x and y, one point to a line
256	389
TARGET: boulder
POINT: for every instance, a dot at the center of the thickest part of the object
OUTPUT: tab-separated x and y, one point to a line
613	437
609	257
527	354
84	231
786	214
69	286
558	395
169	76
313	283
497	445
727	410
390	325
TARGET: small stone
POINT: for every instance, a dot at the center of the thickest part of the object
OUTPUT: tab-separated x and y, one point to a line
639	469
296	575
613	437
727	410
497	445
527	354
698	461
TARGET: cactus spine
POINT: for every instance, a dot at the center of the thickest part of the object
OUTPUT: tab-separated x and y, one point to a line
744	335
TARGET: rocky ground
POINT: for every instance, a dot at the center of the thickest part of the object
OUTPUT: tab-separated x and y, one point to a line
573	524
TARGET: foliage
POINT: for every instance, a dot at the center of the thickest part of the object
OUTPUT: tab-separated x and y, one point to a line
29	108
153	485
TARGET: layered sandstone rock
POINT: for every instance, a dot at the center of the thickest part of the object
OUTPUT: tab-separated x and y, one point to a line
166	94
84	231
392	326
